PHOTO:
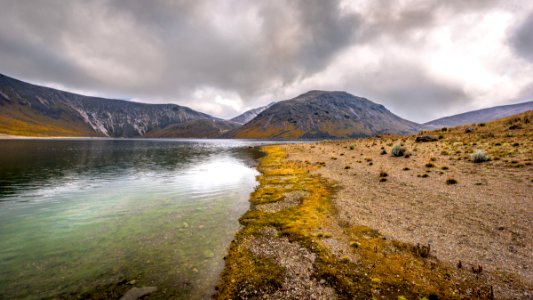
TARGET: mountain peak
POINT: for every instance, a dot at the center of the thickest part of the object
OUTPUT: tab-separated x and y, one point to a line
324	114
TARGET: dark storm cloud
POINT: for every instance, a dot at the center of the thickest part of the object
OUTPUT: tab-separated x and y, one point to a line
226	56
522	39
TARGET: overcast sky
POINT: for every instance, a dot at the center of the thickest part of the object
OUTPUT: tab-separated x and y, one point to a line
421	59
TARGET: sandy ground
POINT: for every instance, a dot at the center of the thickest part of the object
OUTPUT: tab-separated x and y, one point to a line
485	219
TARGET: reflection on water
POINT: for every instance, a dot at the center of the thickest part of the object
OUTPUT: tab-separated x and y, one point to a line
77	216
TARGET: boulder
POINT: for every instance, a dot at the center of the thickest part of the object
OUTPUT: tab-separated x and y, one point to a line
425	138
136	293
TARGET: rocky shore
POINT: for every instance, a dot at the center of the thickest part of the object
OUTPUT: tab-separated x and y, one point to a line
351	220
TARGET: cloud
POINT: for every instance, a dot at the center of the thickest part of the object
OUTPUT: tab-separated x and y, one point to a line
421	59
522	39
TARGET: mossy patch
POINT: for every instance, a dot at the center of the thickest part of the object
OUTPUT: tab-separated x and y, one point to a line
384	267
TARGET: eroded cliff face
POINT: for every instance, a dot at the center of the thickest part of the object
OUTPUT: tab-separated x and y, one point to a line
27	109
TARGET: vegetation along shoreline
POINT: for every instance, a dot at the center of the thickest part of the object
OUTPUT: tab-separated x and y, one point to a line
306	235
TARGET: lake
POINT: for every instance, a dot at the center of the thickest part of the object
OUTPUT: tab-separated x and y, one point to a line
94	217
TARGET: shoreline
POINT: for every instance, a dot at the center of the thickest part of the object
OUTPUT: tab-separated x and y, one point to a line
340	219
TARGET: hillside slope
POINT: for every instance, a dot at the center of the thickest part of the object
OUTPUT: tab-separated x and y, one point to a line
322	114
249	115
481	116
31	110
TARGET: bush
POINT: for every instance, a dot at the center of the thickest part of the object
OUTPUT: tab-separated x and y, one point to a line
397	151
451	181
480	156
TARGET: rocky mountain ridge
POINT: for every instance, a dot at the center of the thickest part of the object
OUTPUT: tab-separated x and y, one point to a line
41	108
323	114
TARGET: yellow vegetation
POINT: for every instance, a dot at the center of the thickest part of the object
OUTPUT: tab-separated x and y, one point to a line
389	268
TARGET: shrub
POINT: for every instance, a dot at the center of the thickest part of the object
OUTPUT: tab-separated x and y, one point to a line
421	250
450	181
480	156
397	151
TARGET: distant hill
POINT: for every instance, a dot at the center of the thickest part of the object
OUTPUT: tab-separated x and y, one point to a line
31	110
248	115
322	114
482	115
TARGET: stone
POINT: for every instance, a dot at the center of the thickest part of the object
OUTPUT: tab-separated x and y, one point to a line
425	138
136	293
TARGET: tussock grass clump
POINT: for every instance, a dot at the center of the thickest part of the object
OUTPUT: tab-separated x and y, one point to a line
451	181
422	250
480	156
397	151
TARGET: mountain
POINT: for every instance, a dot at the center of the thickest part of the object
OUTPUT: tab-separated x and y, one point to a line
27	109
482	115
248	115
322	114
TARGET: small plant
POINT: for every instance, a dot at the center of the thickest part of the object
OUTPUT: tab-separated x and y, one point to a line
477	270
444	168
382	179
355	244
383	152
422	251
429	165
406	169
451	181
347	167
480	156
487	135
397	151
383	174
324	235
352	147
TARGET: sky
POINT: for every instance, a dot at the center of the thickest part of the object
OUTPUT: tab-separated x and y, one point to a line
421	59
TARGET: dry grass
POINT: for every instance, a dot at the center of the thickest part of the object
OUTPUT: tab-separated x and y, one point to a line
355	261
453	202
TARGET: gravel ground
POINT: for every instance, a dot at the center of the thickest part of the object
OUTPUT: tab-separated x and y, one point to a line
485	219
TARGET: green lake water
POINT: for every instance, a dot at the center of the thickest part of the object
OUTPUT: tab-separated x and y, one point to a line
92	218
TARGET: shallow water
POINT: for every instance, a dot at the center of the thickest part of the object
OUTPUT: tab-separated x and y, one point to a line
91	216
